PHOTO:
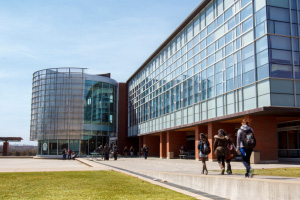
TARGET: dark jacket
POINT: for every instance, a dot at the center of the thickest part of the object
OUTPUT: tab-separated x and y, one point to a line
115	149
220	145
145	149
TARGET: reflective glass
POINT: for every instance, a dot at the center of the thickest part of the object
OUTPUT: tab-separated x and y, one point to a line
260	16
210	28
248	24
228	37
246	12
295	44
231	23
262	58
228	14
228	49
247	51
220	20
248	77
262	72
221	42
281	57
245	2
283	4
278	14
261	44
248	64
281	71
279	42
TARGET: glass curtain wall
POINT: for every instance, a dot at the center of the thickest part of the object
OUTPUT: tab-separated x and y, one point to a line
217	65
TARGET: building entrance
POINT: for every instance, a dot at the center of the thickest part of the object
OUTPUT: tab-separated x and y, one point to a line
289	140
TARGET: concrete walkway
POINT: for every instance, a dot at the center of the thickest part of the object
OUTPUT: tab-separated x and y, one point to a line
44	165
186	166
185	175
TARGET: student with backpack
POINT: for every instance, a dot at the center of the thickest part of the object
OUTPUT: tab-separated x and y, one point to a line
220	148
245	144
204	150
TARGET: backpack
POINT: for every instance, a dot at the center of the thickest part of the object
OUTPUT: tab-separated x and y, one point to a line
205	148
248	139
230	147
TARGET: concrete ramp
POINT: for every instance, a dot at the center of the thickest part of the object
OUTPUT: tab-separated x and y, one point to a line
234	187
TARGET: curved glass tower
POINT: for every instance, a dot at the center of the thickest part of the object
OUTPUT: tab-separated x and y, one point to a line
73	110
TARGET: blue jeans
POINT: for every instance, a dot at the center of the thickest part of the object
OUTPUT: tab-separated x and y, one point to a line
246	159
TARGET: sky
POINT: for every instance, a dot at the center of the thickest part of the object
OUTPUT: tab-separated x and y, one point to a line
104	36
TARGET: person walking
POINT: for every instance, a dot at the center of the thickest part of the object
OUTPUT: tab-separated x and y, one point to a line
131	151
220	148
115	150
64	152
125	151
106	152
69	154
145	151
245	144
231	150
204	150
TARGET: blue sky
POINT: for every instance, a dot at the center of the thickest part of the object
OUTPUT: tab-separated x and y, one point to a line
114	36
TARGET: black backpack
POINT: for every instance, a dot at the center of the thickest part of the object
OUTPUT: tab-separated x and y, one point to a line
205	148
248	139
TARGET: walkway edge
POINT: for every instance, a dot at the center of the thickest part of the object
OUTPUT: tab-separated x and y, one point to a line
93	164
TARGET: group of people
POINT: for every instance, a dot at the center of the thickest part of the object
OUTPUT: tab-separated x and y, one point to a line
223	148
71	155
106	150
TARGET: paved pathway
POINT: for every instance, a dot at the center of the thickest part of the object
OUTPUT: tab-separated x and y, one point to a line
43	165
184	166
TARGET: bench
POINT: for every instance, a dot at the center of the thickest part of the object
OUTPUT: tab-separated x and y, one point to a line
182	156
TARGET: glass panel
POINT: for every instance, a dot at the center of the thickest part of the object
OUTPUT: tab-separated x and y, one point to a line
245	2
261	44
262	72
248	24
228	14
281	71
281	57
278	14
283	4
246	12
262	58
279	42
248	77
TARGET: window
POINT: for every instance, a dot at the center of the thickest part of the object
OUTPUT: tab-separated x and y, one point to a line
228	49
210	39
246	12
248	77
262	58
228	37
260	30
248	64
228	14
245	2
247	38
231	23
210	28
281	71
210	59
283	4
247	51
281	57
280	28
262	72
279	42
221	42
220	20
209	13
248	24
260	16
210	49
261	44
278	14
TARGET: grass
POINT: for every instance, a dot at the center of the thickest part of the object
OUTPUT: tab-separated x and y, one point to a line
287	172
80	185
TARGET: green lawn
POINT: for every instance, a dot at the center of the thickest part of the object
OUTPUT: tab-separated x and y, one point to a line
287	172
80	185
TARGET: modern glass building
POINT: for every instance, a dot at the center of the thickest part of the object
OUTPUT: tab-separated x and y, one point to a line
230	59
73	110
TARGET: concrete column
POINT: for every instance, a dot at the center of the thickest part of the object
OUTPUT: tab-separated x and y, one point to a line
153	142
174	141
5	148
198	130
163	145
265	132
